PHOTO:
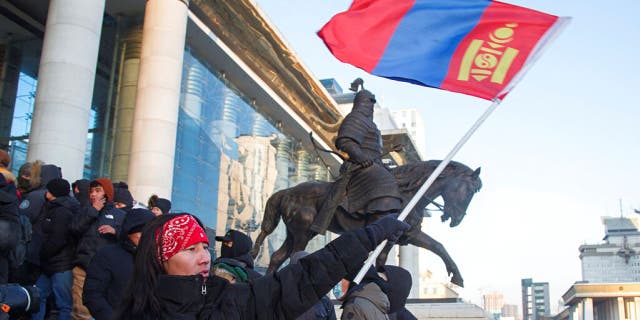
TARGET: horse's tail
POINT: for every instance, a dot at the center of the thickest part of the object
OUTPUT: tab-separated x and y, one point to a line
269	222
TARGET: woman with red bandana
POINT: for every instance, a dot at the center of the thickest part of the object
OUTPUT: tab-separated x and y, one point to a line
171	274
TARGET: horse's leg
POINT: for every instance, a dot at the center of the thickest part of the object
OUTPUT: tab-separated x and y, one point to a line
421	239
381	260
270	220
280	255
259	241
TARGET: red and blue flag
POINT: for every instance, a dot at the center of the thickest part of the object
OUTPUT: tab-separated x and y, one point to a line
475	47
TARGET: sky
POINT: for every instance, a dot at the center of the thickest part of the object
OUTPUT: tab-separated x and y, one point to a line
560	152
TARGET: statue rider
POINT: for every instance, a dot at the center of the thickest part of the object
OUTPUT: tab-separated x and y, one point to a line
366	183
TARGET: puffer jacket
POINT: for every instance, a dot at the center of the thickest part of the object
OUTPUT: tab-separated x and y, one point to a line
285	294
85	228
58	248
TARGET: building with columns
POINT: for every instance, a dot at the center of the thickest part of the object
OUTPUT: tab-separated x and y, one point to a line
610	285
196	101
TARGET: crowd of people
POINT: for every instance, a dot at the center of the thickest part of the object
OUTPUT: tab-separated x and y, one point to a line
96	253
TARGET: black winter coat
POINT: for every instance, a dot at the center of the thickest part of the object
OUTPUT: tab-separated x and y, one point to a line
8	216
322	310
58	248
107	277
284	295
85	227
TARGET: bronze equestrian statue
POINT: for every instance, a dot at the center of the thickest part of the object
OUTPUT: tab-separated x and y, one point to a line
365	191
365	183
298	205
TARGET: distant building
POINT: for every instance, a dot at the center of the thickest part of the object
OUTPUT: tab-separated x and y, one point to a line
615	260
611	301
431	288
493	302
610	286
412	120
509	311
535	300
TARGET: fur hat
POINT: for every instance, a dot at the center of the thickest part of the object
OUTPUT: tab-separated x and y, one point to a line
58	187
106	184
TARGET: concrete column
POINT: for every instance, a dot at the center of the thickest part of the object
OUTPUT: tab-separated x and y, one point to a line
620	308
65	84
156	113
9	77
588	309
125	102
409	261
636	302
283	156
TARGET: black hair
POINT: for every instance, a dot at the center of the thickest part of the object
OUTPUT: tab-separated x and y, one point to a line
140	299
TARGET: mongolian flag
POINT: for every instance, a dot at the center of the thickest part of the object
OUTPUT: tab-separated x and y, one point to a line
475	47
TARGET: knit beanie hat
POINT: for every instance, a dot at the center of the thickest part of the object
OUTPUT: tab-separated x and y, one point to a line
164	205
58	187
106	184
135	220
121	194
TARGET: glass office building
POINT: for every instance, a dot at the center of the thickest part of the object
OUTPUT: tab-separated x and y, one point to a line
217	137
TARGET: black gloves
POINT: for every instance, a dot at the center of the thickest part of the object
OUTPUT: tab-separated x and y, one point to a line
389	228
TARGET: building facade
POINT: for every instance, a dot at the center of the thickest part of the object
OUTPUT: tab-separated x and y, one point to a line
599	301
610	286
617	259
178	98
535	300
493	302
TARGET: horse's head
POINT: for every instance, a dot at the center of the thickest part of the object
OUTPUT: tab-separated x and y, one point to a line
457	194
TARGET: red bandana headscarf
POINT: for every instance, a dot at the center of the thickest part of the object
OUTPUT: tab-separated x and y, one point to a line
178	234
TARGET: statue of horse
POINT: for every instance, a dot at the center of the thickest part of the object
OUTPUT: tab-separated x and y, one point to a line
298	205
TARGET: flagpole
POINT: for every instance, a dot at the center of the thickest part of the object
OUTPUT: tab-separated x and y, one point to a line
405	212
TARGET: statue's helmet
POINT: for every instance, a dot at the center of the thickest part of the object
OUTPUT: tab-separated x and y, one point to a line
364	97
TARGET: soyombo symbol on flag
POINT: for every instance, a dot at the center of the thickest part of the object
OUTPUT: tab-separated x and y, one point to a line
475	47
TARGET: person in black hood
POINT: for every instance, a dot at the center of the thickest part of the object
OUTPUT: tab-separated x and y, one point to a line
110	269
236	245
122	198
81	191
58	249
379	294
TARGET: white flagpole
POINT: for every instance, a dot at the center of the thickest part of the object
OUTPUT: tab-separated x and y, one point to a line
426	185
